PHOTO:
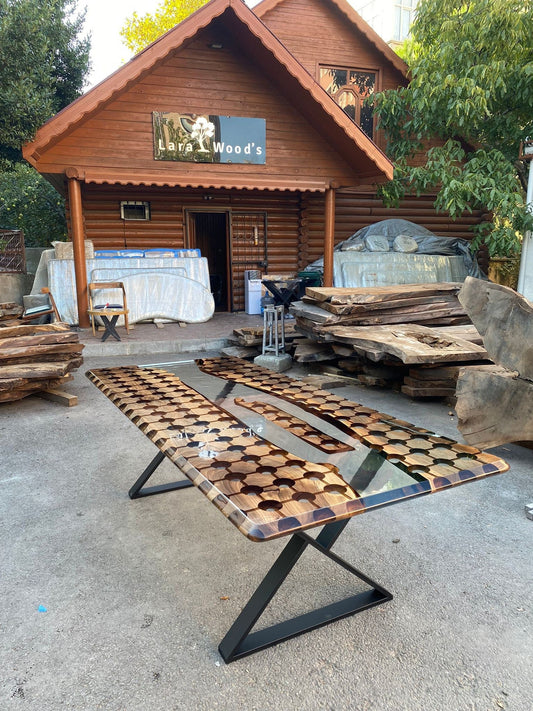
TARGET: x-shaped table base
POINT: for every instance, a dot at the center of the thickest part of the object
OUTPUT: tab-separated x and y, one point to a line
240	640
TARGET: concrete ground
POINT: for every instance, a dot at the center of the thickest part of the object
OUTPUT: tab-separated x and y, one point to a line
120	605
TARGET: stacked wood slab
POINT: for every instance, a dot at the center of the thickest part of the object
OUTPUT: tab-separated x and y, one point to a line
36	358
394	334
496	406
9	312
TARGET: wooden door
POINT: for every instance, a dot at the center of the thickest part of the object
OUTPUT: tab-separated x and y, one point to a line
248	250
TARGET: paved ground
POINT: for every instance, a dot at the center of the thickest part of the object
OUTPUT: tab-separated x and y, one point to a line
135	592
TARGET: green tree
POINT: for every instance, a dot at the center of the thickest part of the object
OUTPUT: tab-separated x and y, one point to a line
471	86
28	202
43	63
140	30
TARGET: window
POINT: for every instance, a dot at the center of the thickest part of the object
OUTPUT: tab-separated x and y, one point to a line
134	210
403	17
350	88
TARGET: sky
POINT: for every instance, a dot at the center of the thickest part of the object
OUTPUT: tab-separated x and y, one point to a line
103	20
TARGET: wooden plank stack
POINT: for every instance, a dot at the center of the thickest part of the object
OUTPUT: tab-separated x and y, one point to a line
414	336
428	304
36	358
9	312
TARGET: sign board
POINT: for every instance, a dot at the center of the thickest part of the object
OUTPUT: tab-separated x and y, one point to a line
195	138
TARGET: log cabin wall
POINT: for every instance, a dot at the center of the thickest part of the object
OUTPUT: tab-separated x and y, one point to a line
168	224
118	139
355	210
335	42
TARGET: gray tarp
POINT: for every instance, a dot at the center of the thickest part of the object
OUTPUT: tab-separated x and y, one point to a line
427	242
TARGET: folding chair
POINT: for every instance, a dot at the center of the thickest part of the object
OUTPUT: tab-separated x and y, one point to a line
107	312
36	312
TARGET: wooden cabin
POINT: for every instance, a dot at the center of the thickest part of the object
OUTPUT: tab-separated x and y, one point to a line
233	133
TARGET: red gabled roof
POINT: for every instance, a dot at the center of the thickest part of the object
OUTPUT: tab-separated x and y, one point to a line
356	20
348	139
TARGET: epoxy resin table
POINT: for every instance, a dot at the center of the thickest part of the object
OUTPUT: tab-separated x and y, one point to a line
268	490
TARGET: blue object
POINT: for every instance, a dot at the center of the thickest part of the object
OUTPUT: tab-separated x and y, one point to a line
42	608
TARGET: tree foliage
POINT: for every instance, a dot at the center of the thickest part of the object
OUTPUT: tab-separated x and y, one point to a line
42	66
28	202
140	30
471	70
43	63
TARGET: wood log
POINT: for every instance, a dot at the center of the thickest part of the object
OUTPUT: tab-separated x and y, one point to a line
494	407
38	339
410	343
505	321
402	302
39	370
33	329
450	372
428	392
309	351
8	354
369	294
10	310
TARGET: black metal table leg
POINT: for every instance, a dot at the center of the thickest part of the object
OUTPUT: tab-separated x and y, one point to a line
240	641
109	326
137	491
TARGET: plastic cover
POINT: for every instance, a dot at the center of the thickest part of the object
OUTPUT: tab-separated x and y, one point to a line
428	243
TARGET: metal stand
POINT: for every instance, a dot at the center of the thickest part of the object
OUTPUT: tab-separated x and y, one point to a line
239	641
137	492
272	343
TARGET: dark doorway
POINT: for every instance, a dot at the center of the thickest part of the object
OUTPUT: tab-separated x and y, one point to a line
209	233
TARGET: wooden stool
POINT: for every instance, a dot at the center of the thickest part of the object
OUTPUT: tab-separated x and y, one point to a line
108	312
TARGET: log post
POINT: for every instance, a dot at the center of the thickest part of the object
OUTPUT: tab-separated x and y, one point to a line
329	235
78	245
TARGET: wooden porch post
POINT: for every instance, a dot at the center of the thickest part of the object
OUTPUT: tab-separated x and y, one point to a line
78	245
329	235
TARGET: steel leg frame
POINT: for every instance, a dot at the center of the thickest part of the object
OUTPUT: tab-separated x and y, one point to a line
240	641
137	491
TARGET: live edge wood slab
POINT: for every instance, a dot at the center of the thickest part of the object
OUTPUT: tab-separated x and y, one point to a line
265	491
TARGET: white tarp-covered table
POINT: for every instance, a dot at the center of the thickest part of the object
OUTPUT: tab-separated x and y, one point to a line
167	288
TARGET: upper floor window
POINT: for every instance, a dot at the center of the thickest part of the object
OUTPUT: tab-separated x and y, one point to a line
403	18
349	88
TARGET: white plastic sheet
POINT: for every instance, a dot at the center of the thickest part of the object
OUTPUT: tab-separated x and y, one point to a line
161	296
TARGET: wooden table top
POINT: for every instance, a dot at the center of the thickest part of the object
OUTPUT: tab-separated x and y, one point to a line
263	489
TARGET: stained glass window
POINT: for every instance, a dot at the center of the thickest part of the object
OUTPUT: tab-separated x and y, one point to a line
350	88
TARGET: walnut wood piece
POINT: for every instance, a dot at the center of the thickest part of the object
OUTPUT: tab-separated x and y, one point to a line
9	310
494	407
378	294
36	357
411	343
296	426
505	321
265	491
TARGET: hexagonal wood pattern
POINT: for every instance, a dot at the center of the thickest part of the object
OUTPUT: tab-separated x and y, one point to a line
265	491
439	460
295	426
